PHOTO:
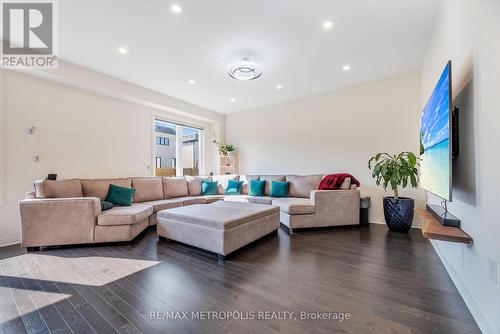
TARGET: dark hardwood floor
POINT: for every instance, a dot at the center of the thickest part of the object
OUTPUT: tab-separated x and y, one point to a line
387	282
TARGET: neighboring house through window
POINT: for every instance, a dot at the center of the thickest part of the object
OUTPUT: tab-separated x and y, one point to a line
170	156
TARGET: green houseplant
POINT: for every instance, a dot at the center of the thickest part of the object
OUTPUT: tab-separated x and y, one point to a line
224	149
395	171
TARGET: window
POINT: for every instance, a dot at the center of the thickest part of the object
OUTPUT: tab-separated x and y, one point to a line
191	151
165	133
177	149
162	141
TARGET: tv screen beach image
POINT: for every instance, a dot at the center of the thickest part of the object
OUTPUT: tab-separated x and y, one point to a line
435	139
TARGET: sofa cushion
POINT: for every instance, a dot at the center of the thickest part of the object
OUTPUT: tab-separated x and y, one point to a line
223	182
237	198
106	206
269	179
191	200
209	187
99	187
257	188
125	215
213	198
164	204
147	189
302	185
120	195
174	187
194	185
246	181
58	189
259	199
280	189
294	206
234	187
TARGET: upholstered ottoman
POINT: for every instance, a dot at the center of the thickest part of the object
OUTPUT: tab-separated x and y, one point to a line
220	227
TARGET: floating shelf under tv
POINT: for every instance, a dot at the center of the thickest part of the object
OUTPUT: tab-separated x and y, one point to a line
432	229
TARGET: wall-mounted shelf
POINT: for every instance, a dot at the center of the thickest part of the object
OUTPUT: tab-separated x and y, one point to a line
434	230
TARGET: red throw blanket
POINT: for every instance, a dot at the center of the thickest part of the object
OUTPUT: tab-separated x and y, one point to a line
334	181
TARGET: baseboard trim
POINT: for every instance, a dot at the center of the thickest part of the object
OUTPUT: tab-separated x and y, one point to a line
9	241
464	292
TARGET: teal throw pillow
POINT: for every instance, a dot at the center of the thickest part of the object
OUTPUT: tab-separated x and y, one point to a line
257	187
106	205
209	187
120	195
280	189
234	187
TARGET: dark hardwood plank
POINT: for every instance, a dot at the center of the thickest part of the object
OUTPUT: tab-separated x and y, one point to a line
98	323
10	319
51	316
31	317
388	282
71	315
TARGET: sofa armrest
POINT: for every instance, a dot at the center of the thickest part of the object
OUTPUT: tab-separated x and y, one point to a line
30	195
58	221
336	207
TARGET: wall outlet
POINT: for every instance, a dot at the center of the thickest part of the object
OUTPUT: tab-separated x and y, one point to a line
493	265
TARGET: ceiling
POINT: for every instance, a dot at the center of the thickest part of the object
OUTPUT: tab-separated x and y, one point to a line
286	37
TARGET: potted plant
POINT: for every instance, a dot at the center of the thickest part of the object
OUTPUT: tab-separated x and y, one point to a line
396	171
224	150
230	150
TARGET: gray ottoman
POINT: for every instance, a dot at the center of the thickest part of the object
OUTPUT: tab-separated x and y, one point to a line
220	227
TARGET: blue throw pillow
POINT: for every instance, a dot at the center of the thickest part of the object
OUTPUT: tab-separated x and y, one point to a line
120	195
256	187
234	187
280	189
209	187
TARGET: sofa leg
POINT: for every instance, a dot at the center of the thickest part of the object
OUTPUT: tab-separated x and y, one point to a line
32	249
220	258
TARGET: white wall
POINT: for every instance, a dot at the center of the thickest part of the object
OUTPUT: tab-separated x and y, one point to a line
332	132
81	131
468	33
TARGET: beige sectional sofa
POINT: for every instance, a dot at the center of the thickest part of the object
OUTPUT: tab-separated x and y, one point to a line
69	212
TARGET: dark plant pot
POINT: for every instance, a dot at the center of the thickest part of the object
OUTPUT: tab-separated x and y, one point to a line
398	213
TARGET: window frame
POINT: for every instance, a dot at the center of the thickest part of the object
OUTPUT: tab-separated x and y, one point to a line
178	148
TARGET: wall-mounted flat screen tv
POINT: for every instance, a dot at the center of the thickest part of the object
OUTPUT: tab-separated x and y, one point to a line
436	139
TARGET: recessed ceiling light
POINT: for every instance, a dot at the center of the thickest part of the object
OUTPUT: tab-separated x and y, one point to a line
278	87
123	51
192	82
245	70
346	67
176	8
327	25
232	100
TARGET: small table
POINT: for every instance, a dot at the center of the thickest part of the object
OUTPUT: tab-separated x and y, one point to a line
220	227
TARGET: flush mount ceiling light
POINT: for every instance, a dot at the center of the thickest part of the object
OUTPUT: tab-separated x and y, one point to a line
123	51
176	8
245	70
346	67
327	25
